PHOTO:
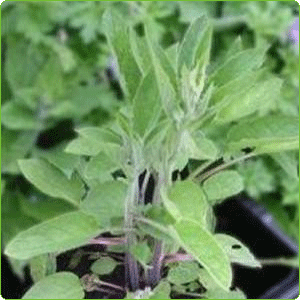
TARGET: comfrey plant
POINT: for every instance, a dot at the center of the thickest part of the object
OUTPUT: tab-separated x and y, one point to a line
126	179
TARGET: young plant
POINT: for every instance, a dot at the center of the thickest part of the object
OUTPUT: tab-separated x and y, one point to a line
181	112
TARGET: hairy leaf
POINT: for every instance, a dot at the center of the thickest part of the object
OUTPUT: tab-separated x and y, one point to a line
184	273
119	39
206	250
100	167
269	134
223	185
51	180
238	65
237	251
190	201
62	233
105	201
146	104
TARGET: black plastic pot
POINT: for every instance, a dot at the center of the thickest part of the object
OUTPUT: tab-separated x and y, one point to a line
239	217
253	225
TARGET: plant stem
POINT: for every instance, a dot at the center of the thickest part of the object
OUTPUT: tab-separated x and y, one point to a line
220	168
107	241
290	262
131	266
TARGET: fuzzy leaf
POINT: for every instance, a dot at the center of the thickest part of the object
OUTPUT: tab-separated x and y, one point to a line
190	201
238	65
105	201
194	39
265	135
223	185
119	39
42	208
103	266
146	104
161	291
206	250
65	162
217	293
62	285
62	233
237	251
100	167
51	180
261	97
184	273
142	253
92	140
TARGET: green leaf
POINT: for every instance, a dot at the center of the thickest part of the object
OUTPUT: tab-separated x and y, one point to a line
142	253
156	230
50	80
92	140
103	266
17	69
14	146
223	185
161	291
190	10
269	134
190	201
237	251
119	39
217	293
159	56
164	77
100	167
51	180
62	233
146	104
65	162
62	285
195	46
206	250
41	265
18	117
237	86
238	65
184	273
288	161
87	16
105	201
197	146
261	97
82	100
42	208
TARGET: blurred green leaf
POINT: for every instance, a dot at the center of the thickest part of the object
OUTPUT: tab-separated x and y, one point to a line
60	285
103	266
